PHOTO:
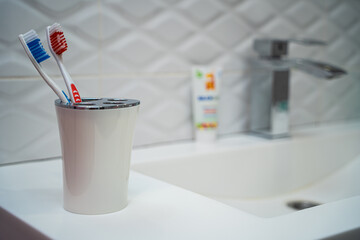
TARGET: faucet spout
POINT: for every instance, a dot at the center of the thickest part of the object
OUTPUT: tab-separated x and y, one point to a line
314	68
318	69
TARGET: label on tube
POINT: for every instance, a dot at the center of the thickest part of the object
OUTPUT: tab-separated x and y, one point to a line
205	85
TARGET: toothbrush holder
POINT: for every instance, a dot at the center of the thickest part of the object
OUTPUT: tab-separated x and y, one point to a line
96	141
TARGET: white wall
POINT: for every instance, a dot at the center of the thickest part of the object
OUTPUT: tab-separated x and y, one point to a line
144	49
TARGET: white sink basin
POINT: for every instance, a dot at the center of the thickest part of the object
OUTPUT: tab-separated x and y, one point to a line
261	177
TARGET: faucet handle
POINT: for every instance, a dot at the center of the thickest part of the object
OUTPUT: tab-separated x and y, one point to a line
276	48
307	41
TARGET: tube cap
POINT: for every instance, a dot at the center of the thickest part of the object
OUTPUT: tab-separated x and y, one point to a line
205	135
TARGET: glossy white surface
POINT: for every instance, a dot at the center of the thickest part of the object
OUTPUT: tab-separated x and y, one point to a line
158	210
260	178
96	149
337	186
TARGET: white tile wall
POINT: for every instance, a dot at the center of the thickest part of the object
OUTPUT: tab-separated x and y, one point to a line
144	49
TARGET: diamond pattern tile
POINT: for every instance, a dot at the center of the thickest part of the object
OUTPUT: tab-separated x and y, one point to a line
170	115
330	31
305	98
113	26
136	49
355	33
145	49
344	16
256	12
13	62
308	15
12	12
278	28
341	51
228	31
54	7
170	63
200	50
282	5
319	30
234	115
341	99
139	9
171	28
24	134
202	11
24	121
327	5
353	65
233	2
135	12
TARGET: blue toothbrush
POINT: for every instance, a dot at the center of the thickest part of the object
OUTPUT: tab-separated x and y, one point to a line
37	54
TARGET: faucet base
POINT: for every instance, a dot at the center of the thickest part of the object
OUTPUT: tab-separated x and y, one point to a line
270	103
269	135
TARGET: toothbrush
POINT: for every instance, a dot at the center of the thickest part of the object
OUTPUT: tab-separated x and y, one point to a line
57	45
37	54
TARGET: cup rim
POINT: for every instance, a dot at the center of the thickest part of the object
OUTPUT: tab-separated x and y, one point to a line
99	103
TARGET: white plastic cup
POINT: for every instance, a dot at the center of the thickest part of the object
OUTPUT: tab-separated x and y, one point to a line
96	141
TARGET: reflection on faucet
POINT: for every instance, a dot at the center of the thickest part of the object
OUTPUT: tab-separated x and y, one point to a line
317	69
270	84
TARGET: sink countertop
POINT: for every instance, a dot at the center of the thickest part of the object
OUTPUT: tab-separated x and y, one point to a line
32	192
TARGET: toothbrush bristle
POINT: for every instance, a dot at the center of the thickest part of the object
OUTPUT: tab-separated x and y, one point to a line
36	48
57	39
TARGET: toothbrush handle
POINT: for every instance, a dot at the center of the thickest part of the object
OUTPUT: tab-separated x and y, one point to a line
73	92
61	94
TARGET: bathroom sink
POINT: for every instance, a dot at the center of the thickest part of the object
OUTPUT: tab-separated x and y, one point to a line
264	178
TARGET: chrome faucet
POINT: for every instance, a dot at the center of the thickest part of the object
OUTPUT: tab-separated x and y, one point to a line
270	84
